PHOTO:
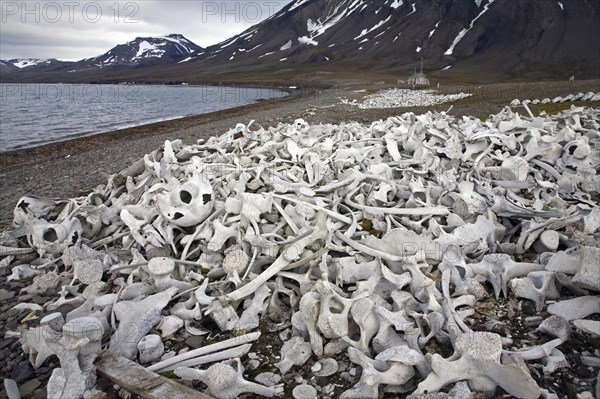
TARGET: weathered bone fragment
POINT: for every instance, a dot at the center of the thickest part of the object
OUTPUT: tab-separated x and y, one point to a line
477	360
224	382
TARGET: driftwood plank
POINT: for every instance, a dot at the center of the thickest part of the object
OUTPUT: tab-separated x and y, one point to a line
141	381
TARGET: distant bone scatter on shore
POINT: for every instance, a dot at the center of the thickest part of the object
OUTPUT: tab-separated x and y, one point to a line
366	241
395	98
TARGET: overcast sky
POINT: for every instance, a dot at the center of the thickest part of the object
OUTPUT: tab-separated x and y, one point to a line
73	30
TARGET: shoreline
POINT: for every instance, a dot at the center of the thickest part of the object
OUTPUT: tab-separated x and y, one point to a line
11	157
74	168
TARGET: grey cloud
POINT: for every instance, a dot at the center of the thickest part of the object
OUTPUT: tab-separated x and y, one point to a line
74	34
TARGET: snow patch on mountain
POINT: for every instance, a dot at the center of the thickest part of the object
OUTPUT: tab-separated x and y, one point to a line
286	46
397	3
299	3
378	25
307	40
433	31
463	32
27	62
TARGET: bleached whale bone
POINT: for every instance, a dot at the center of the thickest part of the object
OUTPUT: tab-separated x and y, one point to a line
477	360
499	269
224	382
577	308
77	348
537	286
136	319
294	352
187	204
393	366
171	363
288	256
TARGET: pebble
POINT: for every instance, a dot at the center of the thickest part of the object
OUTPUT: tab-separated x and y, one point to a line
29	387
195	341
12	389
6	295
40	300
40	394
253	364
328	389
183	350
590	361
533	321
22	372
585	395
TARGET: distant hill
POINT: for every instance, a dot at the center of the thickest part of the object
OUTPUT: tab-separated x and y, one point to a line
497	38
138	53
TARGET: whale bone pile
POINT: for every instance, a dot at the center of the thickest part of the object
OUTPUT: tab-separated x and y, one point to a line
394	98
589	96
365	241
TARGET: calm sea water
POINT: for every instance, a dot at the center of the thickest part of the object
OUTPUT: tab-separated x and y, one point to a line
35	114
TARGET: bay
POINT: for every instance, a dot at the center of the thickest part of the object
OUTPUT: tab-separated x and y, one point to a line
36	114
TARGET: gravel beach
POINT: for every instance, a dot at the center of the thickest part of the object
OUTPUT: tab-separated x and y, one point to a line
74	168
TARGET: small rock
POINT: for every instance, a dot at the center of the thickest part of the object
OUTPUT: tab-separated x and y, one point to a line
328	389
12	390
533	321
22	372
195	341
590	361
6	295
253	364
29	387
40	300
40	394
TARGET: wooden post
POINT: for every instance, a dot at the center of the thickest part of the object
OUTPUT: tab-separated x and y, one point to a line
141	381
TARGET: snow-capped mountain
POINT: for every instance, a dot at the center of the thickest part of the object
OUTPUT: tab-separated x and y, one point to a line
507	36
147	50
24	63
497	39
140	52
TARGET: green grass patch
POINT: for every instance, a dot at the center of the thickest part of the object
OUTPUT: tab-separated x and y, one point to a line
553	109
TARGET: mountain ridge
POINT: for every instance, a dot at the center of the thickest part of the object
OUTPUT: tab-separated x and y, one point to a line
139	52
497	38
